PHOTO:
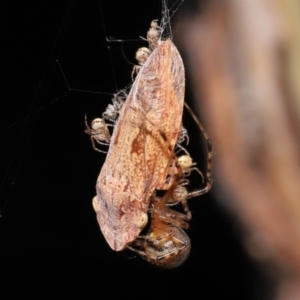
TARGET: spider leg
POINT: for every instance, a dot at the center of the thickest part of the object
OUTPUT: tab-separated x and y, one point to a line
86	123
197	170
183	149
94	146
101	143
173	217
202	191
208	176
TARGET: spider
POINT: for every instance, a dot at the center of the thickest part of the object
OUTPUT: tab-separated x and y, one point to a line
153	35
113	110
166	244
142	54
98	132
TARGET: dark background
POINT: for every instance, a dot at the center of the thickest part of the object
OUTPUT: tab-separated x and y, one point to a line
50	242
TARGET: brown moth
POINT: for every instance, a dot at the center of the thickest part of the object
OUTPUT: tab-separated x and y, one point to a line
141	146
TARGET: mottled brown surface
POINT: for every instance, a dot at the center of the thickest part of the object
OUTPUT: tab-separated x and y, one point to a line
138	157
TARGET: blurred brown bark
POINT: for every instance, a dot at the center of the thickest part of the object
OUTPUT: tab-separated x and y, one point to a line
244	59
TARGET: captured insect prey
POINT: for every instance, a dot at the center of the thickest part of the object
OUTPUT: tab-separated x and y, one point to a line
139	155
143	161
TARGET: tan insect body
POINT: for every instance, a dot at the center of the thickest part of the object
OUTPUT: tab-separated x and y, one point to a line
139	156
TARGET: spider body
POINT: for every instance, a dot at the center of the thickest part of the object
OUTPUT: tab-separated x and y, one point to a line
141	56
153	35
112	111
98	132
166	245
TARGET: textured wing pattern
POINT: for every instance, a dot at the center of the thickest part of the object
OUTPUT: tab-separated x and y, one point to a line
139	156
